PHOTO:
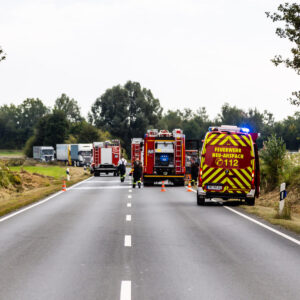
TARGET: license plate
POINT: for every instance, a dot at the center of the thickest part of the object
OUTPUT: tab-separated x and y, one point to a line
214	187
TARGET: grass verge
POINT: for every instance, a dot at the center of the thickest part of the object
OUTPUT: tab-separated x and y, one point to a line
11	153
52	171
37	186
269	214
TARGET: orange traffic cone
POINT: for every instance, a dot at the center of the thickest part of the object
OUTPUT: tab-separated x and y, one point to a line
189	189
163	187
64	187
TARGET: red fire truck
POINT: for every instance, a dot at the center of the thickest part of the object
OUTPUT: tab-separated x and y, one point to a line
164	156
106	156
136	149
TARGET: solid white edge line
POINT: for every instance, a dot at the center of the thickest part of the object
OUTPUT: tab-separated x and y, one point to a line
127	241
264	226
128	218
40	202
128	204
261	224
125	293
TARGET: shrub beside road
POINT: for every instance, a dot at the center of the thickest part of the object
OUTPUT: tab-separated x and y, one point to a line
23	185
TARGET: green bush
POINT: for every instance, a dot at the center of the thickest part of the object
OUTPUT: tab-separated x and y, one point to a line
272	161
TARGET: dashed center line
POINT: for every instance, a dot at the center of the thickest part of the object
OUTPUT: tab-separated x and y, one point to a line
125	290
127	241
129	196
128	204
128	218
130	191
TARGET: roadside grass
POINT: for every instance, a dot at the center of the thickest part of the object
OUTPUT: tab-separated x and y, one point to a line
269	214
36	183
11	153
52	171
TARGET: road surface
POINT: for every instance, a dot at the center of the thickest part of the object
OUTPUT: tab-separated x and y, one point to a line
104	240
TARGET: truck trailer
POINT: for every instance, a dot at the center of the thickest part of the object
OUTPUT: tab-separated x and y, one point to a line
43	153
106	156
63	153
81	154
164	156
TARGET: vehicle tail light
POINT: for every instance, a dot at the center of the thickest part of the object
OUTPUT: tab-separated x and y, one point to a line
200	176
253	178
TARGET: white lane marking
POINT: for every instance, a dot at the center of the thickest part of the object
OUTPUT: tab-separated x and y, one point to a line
127	241
260	224
264	226
41	202
128	218
129	196
130	191
125	290
128	204
101	187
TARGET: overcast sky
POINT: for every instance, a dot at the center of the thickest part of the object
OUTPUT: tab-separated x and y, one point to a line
190	53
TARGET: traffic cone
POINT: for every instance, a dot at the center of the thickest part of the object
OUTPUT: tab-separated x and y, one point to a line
64	187
163	187
189	189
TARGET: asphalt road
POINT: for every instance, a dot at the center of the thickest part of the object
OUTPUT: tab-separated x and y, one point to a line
104	240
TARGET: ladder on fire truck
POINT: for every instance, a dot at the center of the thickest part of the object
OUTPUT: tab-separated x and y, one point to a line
177	133
137	151
96	154
178	154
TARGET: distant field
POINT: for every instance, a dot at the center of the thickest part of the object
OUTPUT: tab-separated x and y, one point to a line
53	171
12	153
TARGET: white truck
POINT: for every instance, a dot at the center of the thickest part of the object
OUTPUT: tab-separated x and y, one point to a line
81	154
43	153
63	153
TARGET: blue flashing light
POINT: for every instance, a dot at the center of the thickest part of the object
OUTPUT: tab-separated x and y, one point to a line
245	130
164	158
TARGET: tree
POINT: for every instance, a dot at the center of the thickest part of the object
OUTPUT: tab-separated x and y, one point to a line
126	111
51	129
69	106
231	115
2	54
272	156
289	14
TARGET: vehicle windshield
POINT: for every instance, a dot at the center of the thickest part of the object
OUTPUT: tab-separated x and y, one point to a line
85	153
47	152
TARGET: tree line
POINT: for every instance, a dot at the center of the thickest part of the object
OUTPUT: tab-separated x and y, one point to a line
124	112
128	111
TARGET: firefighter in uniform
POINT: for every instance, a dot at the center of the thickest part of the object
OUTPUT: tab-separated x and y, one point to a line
194	172
122	168
137	174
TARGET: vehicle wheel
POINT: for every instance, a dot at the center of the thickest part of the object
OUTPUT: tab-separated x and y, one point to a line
200	200
250	201
115	174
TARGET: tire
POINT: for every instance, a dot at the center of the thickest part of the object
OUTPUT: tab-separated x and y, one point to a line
200	200
250	201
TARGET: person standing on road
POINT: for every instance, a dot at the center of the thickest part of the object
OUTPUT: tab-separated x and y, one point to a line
122	168
194	172
137	173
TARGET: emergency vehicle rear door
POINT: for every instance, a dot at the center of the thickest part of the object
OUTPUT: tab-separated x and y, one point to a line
106	155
